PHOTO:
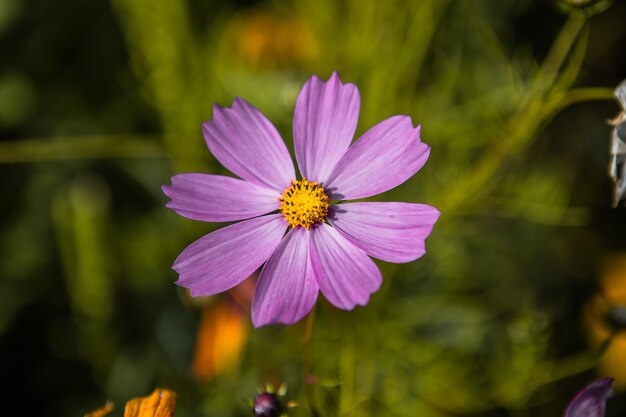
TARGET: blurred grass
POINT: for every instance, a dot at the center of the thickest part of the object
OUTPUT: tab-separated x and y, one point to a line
475	327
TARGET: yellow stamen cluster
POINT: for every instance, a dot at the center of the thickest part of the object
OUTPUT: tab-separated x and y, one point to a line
304	203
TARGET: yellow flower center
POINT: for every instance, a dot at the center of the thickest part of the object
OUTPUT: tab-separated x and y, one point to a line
304	203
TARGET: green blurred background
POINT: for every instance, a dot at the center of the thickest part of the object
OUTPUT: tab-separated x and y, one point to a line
102	101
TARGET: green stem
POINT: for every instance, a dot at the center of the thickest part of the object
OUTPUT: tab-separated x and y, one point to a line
80	147
561	48
580	95
309	388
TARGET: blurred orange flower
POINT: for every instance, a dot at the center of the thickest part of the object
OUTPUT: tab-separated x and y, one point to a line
598	328
222	335
161	403
269	39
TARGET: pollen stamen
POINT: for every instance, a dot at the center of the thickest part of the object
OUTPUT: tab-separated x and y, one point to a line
304	203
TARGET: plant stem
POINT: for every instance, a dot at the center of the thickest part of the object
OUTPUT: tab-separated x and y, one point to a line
307	362
583	94
80	147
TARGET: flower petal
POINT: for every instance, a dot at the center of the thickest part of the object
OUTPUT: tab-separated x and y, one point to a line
383	158
216	198
286	290
393	232
591	401
222	259
248	145
161	403
345	274
324	122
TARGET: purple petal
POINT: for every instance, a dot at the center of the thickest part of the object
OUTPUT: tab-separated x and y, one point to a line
591	401
345	274
222	259
215	198
286	290
324	122
248	145
383	158
393	232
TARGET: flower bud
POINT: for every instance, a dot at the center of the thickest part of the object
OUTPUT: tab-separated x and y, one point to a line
267	405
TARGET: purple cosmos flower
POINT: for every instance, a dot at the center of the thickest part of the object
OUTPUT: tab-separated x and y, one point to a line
591	400
327	245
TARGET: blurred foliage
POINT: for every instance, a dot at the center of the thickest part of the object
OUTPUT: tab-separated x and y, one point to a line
102	101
